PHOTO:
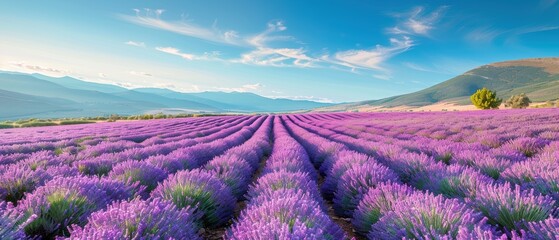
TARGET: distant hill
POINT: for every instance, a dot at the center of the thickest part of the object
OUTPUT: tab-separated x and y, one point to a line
39	96
538	78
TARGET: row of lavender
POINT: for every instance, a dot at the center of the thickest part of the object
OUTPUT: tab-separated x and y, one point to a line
284	202
487	200
51	196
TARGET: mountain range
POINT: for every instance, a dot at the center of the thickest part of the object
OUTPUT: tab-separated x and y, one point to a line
39	96
538	78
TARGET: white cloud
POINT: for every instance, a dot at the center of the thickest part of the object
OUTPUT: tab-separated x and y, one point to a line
417	21
373	58
35	68
208	56
152	18
488	33
141	74
244	88
135	44
277	57
305	98
175	51
262	38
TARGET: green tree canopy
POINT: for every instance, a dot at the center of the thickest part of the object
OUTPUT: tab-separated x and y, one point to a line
518	101
485	99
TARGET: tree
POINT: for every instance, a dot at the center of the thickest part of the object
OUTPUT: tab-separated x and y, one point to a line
485	99
518	101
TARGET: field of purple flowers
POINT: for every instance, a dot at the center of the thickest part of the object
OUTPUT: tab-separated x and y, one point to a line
444	175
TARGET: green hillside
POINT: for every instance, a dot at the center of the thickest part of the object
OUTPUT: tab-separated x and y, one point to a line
534	77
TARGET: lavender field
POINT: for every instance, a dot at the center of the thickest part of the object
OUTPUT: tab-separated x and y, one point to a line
439	175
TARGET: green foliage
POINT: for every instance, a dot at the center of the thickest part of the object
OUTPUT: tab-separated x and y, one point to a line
63	211
37	124
71	122
518	101
485	99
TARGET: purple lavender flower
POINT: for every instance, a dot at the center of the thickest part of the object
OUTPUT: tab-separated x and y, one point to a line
415	169
17	180
12	222
199	189
526	145
155	219
511	208
133	171
457	182
235	172
62	202
12	158
41	159
165	162
544	230
425	216
95	166
342	162
376	203
288	215
284	180
250	155
355	183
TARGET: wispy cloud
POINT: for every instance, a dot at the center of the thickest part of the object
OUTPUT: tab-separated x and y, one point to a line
135	44
260	40
489	34
175	51
277	57
207	56
418	21
304	98
152	18
484	34
244	88
373	58
39	68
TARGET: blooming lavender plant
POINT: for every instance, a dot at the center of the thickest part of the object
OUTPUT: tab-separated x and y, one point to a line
284	180
355	183
342	162
137	219
15	181
133	171
12	222
457	182
376	203
62	202
426	216
545	230
233	171
95	166
287	215
510	207
199	189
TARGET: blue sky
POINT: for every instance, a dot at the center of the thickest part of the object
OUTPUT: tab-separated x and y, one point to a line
332	51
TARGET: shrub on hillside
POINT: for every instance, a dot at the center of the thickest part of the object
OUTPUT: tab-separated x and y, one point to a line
485	99
518	101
